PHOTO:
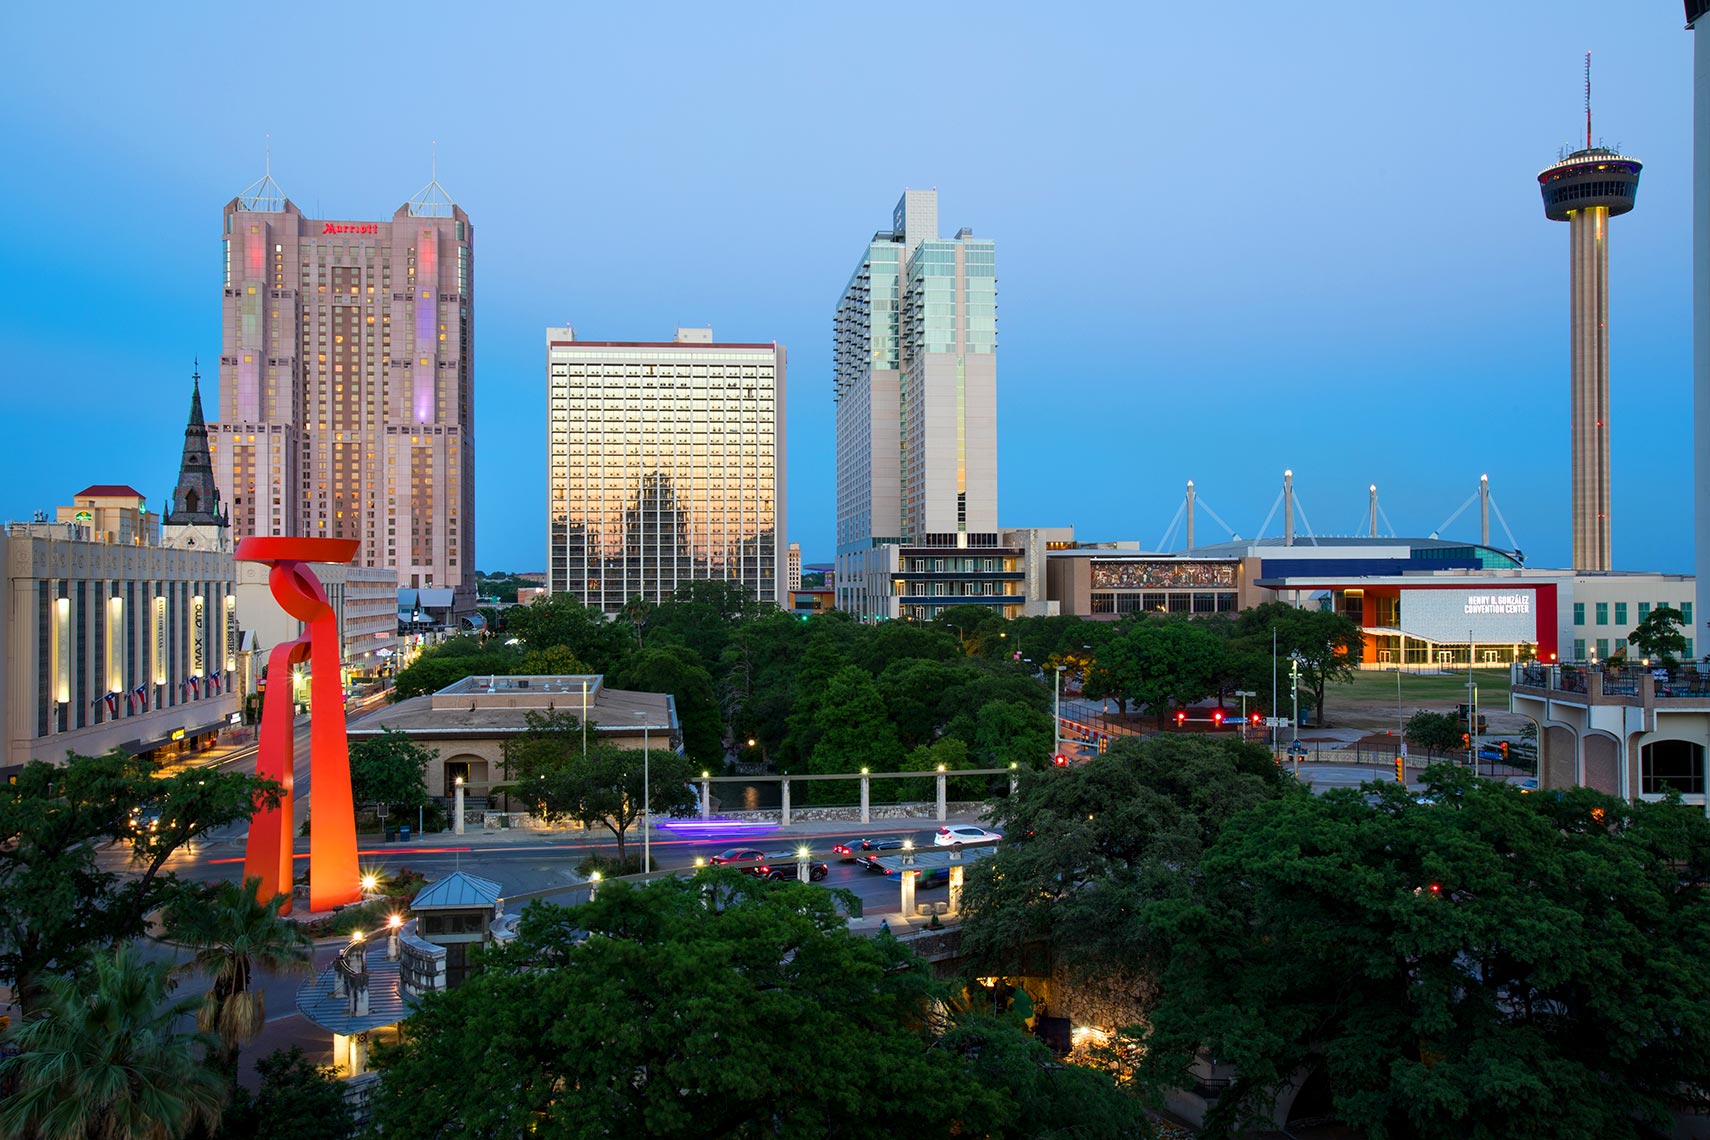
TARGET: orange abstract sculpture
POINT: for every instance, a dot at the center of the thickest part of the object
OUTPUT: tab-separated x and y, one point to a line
333	877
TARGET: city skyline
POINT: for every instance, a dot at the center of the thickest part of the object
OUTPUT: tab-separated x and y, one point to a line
1173	254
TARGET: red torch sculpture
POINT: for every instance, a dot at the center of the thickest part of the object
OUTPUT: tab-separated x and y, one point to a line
333	877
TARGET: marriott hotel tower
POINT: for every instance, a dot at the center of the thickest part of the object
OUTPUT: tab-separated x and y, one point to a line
346	382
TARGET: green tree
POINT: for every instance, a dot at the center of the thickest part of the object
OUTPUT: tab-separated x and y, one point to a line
298	1100
57	903
390	769
913	690
1435	732
1176	663
233	933
551	661
970	624
100	1057
677	670
1102	840
607	786
853	728
719	1007
452	660
758	676
1329	644
1007	732
559	619
1660	636
1490	964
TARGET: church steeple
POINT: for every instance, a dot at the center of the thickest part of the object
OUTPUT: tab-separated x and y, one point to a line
194	518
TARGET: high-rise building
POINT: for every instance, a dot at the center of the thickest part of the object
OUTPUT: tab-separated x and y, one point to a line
1696	13
916	388
346	382
665	464
1585	189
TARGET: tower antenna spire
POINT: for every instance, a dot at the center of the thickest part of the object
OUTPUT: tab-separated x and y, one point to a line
1587	100
267	154
434	168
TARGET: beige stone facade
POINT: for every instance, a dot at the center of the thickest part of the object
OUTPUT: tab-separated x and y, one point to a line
468	722
106	645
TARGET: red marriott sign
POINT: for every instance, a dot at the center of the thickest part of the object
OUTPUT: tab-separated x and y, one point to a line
338	228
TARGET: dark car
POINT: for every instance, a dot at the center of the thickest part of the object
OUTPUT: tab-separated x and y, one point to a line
781	865
753	857
874	847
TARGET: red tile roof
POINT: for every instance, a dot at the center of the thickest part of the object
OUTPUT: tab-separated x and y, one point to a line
109	491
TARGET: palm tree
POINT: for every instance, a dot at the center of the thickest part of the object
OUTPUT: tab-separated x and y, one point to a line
233	933
101	1056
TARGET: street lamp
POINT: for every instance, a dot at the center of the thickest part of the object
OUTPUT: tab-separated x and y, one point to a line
1294	692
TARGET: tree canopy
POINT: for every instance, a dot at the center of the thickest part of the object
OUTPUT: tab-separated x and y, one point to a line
1660	635
1101	840
57	904
604	785
390	769
1478	963
719	1007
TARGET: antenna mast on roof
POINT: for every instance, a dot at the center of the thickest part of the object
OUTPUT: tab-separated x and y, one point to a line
1587	100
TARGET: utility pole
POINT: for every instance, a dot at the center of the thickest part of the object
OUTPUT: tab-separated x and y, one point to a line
1274	692
1472	712
1057	714
646	806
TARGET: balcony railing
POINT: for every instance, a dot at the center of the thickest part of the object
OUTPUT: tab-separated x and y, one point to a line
1619	681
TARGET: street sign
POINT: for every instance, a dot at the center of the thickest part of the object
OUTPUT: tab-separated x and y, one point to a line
1276	722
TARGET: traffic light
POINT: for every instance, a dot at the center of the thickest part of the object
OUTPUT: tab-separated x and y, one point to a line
1466	740
1502	746
1401	769
1060	760
1217	718
1181	717
1254	720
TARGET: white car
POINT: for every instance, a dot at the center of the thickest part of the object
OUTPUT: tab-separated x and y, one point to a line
958	834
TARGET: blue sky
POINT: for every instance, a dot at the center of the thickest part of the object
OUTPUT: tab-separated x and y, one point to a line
1231	238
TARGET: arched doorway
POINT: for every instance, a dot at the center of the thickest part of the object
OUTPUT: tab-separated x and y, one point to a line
477	777
1671	765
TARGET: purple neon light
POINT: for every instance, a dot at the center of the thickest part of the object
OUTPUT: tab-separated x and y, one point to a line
427	343
716	828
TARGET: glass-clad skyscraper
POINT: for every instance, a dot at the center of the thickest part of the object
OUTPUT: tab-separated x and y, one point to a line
665	463
916	389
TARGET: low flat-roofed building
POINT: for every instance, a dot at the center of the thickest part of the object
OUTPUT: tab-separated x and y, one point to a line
468	721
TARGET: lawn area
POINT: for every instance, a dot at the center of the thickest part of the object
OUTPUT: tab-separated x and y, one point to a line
1370	696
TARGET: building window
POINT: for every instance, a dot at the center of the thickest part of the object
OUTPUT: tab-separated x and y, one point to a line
1602	613
1644	610
1676	765
1579	613
1620	645
1602	648
1686	614
1621	613
1689	649
1579	649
